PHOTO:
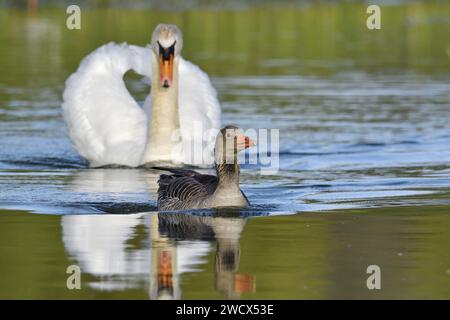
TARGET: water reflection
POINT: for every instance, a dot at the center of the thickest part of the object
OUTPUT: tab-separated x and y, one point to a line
101	246
113	180
226	231
152	250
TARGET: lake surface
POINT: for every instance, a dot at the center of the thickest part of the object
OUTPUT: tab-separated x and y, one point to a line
364	171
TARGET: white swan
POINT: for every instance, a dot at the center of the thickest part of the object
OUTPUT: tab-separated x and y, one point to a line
106	124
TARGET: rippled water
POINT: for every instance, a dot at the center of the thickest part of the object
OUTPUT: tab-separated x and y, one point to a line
346	141
364	174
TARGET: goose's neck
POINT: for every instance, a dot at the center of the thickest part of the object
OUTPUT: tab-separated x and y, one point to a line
163	137
228	175
228	192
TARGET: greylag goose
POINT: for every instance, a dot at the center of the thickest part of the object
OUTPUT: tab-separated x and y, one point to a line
188	189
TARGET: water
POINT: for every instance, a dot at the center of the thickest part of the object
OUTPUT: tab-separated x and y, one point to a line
364	173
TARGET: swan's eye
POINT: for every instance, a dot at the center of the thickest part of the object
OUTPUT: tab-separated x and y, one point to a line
165	53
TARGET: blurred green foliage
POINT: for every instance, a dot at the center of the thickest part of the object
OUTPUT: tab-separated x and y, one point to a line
277	40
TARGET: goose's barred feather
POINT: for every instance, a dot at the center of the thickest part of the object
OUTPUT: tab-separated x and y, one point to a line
184	188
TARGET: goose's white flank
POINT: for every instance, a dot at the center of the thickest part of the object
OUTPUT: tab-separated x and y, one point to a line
106	124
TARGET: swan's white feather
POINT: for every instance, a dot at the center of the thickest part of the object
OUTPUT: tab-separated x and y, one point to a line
106	124
199	113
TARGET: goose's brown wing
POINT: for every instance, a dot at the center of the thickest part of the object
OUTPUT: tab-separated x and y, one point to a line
183	188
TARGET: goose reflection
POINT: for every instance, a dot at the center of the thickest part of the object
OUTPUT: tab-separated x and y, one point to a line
152	251
225	230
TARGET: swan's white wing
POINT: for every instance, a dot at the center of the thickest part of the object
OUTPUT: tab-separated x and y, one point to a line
105	123
199	110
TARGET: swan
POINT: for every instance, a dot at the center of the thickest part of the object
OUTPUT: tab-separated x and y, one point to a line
180	116
188	189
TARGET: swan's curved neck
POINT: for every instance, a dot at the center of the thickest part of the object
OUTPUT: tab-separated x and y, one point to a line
163	136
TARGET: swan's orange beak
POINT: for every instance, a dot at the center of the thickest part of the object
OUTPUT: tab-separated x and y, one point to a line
165	71
166	57
244	142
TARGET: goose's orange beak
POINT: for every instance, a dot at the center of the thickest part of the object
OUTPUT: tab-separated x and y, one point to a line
244	142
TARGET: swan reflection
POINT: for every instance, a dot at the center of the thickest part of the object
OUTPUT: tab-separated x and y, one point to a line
153	250
114	180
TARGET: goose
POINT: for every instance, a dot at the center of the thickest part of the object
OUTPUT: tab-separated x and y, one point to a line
188	189
226	232
108	127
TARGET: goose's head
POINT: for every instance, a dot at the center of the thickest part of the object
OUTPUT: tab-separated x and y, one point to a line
167	42
229	142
